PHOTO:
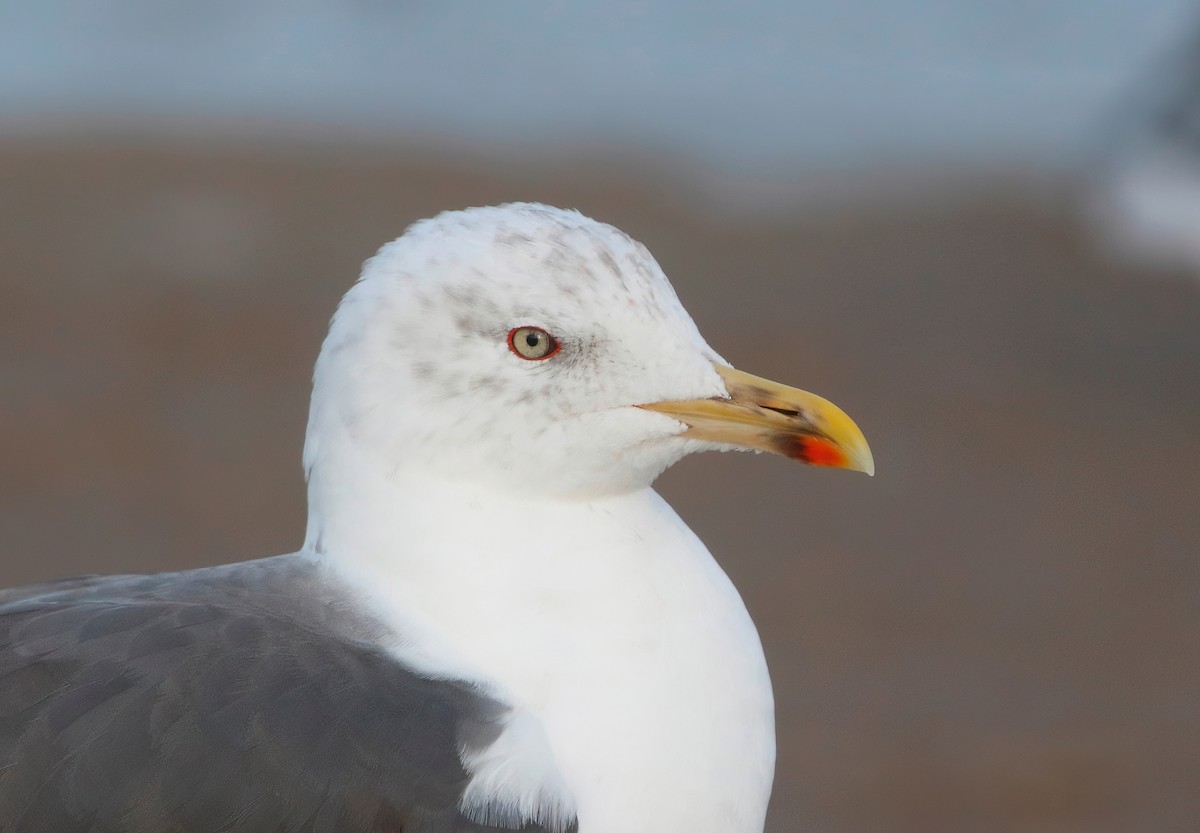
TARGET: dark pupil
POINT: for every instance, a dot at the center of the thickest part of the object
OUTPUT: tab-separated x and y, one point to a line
533	339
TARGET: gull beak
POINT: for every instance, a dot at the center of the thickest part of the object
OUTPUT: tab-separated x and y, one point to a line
767	416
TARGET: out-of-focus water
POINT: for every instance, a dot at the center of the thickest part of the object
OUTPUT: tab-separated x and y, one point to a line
761	88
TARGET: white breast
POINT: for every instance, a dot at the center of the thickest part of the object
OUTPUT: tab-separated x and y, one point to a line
612	627
662	717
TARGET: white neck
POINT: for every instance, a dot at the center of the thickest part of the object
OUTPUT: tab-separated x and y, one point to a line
606	619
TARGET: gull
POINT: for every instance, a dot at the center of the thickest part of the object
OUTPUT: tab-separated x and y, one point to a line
494	624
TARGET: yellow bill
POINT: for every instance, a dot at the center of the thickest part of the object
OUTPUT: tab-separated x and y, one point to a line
768	416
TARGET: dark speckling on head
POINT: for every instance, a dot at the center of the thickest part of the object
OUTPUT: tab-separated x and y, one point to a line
597	291
609	262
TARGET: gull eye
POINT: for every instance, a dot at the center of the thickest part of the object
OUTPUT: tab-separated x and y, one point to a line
532	343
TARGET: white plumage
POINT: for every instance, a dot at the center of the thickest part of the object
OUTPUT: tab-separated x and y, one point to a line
499	512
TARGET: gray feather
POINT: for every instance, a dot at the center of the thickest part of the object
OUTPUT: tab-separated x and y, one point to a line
252	697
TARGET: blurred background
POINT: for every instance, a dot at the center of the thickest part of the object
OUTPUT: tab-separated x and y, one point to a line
974	225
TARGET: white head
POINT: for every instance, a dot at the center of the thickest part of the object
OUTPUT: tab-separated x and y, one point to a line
420	375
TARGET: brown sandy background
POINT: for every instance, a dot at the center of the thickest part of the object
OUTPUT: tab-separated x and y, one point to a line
1000	632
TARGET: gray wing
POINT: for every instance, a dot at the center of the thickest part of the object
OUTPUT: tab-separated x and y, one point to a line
236	699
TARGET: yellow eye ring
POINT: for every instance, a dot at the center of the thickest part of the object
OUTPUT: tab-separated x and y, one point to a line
532	343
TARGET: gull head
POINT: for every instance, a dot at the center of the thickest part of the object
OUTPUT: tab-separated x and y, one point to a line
532	350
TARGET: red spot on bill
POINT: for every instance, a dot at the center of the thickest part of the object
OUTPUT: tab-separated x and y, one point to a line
817	452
